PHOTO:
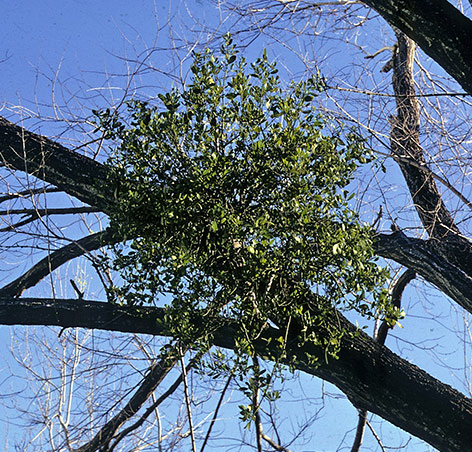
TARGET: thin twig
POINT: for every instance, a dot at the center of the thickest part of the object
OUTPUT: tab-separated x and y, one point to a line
187	400
376	437
215	414
255	405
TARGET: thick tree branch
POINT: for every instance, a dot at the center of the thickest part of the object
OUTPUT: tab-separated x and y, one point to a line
374	378
406	148
51	162
57	258
405	145
426	259
439	28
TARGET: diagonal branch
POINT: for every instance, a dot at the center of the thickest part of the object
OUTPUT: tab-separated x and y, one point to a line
151	381
408	153
373	378
57	258
405	146
51	162
27	193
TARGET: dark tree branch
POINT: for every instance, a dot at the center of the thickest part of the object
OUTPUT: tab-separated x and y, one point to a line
374	378
151	381
397	292
35	214
439	28
405	146
216	411
50	211
19	224
51	162
57	258
408	153
28	193
427	259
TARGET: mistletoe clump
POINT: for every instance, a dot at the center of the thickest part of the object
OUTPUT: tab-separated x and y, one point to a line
233	192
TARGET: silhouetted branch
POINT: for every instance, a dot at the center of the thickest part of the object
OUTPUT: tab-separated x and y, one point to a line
57	258
372	377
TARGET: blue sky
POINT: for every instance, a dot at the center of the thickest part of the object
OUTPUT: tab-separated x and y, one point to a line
72	54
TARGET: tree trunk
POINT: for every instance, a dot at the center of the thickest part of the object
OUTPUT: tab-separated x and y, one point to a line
439	28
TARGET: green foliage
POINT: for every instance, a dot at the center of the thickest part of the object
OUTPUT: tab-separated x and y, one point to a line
233	194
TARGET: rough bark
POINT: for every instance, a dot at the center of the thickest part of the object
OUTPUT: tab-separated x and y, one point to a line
373	377
423	257
405	146
408	153
439	28
48	160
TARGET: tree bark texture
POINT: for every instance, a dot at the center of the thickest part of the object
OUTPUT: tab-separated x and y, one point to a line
51	162
439	28
372	377
408	153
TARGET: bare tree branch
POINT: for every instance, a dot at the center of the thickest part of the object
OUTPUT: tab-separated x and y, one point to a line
187	398
57	258
51	162
374	378
215	412
397	292
426	258
27	193
356	445
50	211
405	145
439	28
151	381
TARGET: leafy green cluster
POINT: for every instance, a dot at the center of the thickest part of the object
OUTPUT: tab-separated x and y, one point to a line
233	193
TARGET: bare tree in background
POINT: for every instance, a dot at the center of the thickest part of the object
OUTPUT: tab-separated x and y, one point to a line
415	117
